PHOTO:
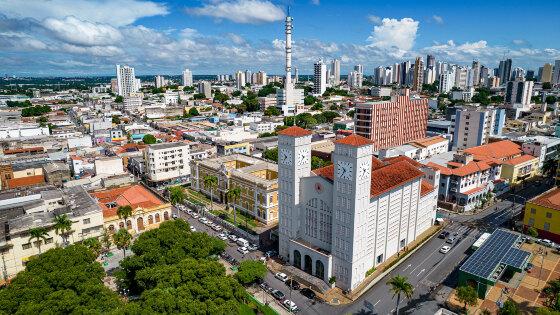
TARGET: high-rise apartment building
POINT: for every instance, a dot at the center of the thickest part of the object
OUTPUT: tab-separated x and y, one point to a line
556	73
261	78
504	70
446	81
335	71
187	78
319	77
405	70
430	61
418	79
248	77
518	93
475	73
461	77
344	219
167	161
240	80
160	81
392	123
126	81
472	126
204	87
546	74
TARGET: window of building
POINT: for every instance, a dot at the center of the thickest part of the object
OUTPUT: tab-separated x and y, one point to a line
26	246
546	226
548	215
533	210
531	222
87	221
380	259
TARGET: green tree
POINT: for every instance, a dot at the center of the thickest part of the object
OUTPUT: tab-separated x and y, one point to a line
176	194
547	86
305	120
211	182
509	308
124	212
236	93
317	162
149	139
188	89
272	111
317	106
289	121
271	154
199	96
94	245
400	285
115	120
350	113
39	235
122	240
119	99
550	99
193	111
309	99
467	295
267	90
63	227
552	293
320	118
330	115
220	97
106	240
233	195
250	271
531	231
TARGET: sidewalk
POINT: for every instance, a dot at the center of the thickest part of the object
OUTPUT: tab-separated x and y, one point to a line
265	298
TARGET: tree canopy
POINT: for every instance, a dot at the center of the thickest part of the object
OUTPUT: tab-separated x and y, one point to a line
272	111
149	139
36	110
267	90
250	271
271	154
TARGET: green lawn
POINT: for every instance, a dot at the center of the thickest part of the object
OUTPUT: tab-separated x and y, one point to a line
254	307
241	217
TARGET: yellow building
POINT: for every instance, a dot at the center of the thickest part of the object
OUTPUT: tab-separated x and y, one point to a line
256	178
543	213
227	148
520	168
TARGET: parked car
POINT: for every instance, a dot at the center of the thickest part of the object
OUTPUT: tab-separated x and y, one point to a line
270	253
281	276
202	220
279	295
252	247
242	250
443	235
308	293
450	240
546	242
445	249
216	227
291	306
265	286
233	238
174	216
193	229
222	237
293	284
189	211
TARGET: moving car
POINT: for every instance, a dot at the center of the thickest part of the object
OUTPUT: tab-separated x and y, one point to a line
279	295
450	240
242	250
445	249
308	293
291	306
281	276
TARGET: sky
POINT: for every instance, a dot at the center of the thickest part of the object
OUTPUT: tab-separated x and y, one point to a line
88	37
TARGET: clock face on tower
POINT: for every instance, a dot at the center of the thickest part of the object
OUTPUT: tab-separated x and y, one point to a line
344	170
363	170
285	157
303	157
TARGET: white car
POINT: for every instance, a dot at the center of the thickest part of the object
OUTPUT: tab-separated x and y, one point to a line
242	250
546	242
193	229
216	227
281	276
222	237
233	238
291	306
189	211
194	215
445	249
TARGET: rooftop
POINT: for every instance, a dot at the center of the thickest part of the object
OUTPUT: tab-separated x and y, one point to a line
520	160
501	150
136	196
166	145
295	131
550	199
426	142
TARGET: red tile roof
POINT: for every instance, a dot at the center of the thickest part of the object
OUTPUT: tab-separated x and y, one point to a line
501	150
25	181
135	196
426	188
354	140
550	199
442	169
520	159
295	131
399	158
474	190
464	170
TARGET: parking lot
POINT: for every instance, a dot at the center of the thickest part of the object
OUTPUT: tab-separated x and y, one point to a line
234	253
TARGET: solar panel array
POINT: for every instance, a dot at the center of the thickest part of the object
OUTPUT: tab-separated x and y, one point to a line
497	249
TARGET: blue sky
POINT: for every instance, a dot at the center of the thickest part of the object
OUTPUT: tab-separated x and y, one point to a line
88	37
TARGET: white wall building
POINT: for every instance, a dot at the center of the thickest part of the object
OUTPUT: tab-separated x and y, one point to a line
319	77
346	218
240	80
132	103
108	166
187	78
15	131
166	161
126	81
204	87
79	142
261	127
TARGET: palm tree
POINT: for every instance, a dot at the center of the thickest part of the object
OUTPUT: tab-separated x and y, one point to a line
38	234
176	194
106	240
94	245
400	285
122	239
210	182
124	212
63	227
232	196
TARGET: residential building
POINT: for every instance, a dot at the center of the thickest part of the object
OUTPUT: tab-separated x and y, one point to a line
543	214
461	78
335	71
229	148
204	87
380	91
25	209
256	178
546	75
518	93
556	73
349	217
392	123
132	104
446	81
187	78
265	126
267	101
319	77
166	162
261	78
545	148
418	79
56	173
109	166
160	81
240	80
15	131
504	70
520	168
472	126
126	81
475	72
148	210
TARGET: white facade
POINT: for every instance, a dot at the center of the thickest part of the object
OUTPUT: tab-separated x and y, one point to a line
518	93
335	71
171	98
261	127
15	131
446	82
165	161
81	142
240	80
319	77
126	81
204	87
160	81
187	78
132	103
108	166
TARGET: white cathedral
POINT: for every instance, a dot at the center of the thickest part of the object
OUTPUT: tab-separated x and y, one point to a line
343	219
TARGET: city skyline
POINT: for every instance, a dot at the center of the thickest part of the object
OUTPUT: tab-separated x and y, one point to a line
210	37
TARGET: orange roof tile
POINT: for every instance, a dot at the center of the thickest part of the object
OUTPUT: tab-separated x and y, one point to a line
498	150
135	196
354	140
426	188
25	181
429	141
550	199
470	168
442	169
474	190
295	131
399	158
520	159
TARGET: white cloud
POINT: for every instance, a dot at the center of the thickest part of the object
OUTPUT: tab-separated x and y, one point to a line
20	42
518	42
78	32
101	51
438	19
113	12
316	2
374	19
241	11
396	36
237	39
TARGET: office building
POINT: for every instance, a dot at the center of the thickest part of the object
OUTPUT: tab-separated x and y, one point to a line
204	87
392	123
240	80
166	162
504	70
430	61
418	79
472	126
126	81
187	78
335	71
349	217
405	73
518	93
546	74
319	77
